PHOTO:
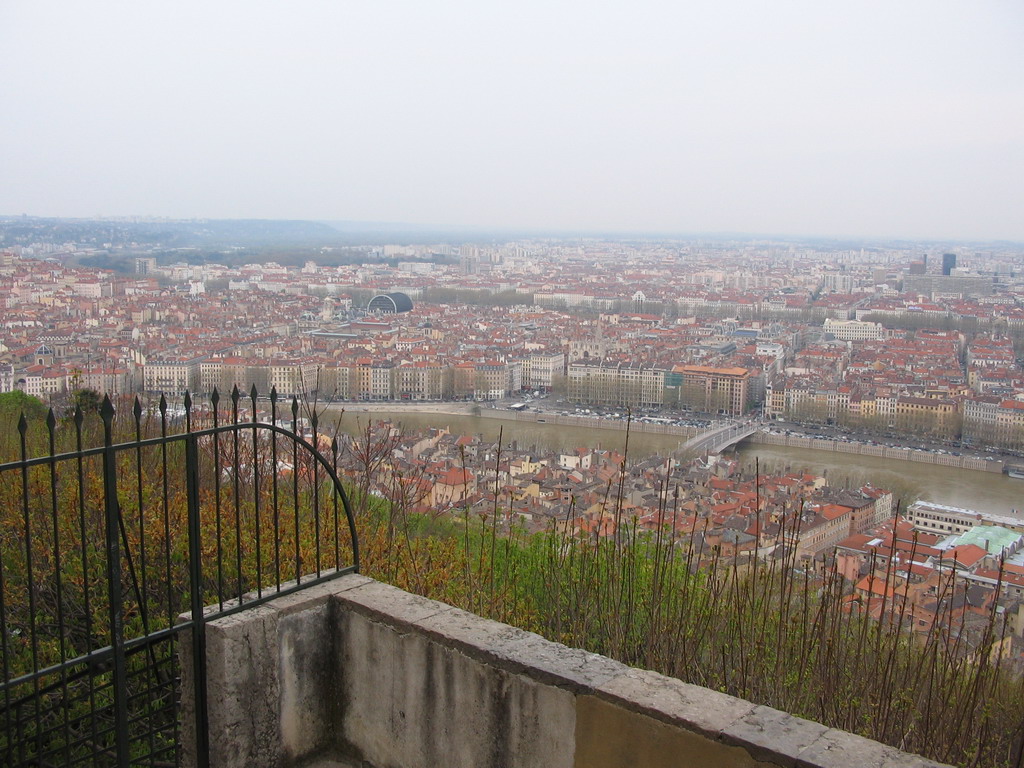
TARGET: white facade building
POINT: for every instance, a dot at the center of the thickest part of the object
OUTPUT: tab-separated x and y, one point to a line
853	330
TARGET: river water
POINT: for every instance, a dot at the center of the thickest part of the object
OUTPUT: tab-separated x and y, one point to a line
982	491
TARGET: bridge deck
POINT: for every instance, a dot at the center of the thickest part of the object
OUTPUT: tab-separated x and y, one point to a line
718	439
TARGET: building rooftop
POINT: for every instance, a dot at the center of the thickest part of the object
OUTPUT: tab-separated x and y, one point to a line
992	538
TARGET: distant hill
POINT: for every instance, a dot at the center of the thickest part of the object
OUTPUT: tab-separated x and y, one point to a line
213	234
198	233
399	233
244	233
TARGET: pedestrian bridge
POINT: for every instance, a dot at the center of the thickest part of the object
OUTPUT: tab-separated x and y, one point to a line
717	439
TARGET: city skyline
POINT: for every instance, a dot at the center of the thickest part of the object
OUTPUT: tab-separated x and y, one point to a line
874	122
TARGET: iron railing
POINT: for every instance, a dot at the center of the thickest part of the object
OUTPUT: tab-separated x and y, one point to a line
116	529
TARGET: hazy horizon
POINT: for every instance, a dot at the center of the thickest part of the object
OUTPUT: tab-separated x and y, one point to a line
408	233
800	120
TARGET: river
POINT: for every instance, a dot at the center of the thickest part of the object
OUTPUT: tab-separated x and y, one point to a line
982	491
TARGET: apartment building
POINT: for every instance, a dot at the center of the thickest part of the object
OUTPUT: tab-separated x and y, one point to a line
930	517
172	376
853	330
711	389
616	384
541	368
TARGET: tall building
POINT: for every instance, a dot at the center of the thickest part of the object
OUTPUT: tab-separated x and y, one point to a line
713	390
967	285
948	263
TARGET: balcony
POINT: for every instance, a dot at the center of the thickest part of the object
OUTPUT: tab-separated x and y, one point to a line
354	672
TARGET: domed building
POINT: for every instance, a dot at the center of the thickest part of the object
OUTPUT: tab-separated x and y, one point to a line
389	304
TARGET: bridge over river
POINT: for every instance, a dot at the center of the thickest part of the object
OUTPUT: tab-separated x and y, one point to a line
717	439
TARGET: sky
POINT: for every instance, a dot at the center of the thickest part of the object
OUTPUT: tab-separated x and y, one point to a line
862	119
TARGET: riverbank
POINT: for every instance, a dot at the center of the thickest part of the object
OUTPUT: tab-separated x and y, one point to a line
914	474
452	409
684	433
880	451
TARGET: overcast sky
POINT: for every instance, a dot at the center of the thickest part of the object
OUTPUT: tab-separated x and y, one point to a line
863	118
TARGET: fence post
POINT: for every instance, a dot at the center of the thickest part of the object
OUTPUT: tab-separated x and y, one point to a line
113	545
195	568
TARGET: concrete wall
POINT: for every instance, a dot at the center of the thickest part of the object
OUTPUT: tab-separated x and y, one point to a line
366	674
888	452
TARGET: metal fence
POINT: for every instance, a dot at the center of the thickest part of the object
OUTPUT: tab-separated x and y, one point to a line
117	527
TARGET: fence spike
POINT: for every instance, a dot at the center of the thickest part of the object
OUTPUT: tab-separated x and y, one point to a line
235	396
107	410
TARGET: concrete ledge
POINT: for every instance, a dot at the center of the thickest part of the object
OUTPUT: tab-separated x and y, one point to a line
365	674
521	652
706	712
608	735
